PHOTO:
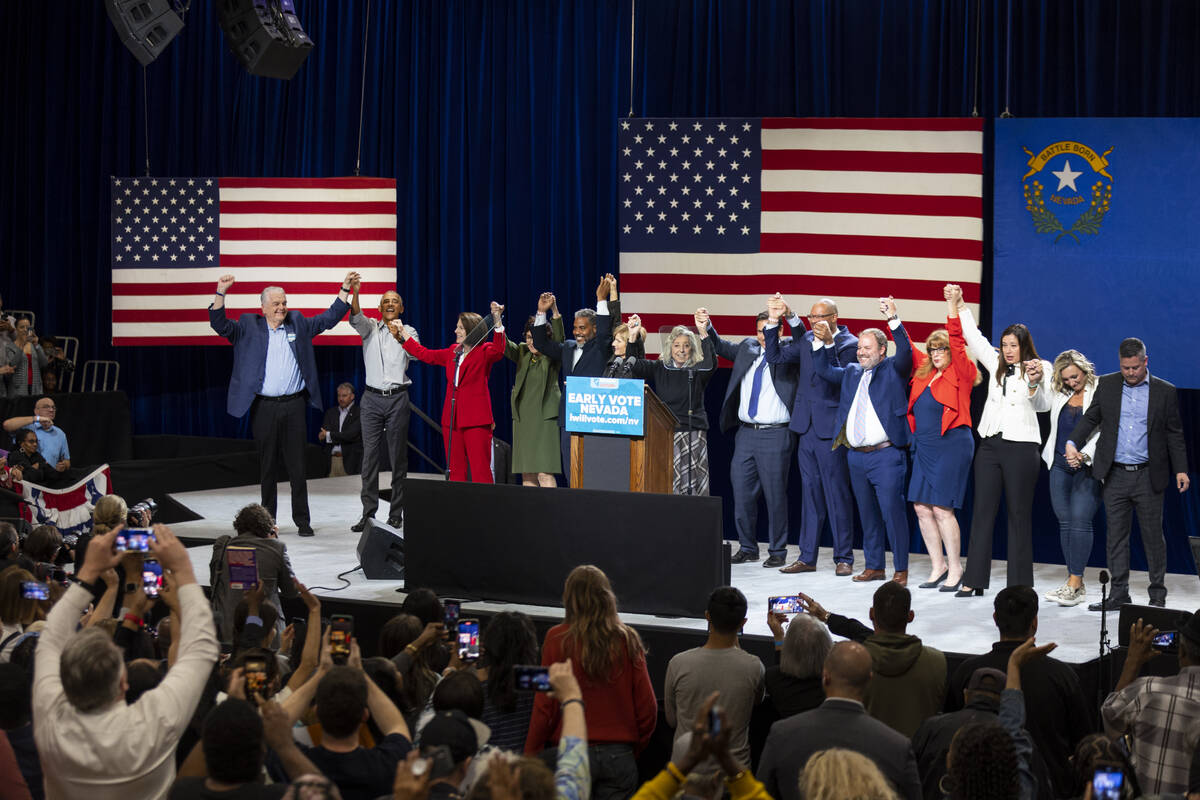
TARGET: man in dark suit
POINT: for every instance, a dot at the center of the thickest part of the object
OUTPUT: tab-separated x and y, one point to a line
1140	445
341	433
823	470
872	423
274	370
585	355
841	721
757	406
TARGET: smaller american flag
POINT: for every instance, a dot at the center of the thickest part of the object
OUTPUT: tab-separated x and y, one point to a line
173	237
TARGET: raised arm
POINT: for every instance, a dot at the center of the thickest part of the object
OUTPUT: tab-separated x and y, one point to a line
978	346
540	331
902	362
831	373
337	309
217	319
726	350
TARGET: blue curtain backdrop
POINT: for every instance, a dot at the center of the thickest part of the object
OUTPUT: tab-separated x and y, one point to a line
496	117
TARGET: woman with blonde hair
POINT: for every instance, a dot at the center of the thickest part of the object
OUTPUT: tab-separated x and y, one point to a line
679	376
1074	492
939	415
609	661
836	774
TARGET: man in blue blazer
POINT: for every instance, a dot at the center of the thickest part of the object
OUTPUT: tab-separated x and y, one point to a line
757	407
872	423
274	370
823	469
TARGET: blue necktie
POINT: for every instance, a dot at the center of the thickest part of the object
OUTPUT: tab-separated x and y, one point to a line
756	389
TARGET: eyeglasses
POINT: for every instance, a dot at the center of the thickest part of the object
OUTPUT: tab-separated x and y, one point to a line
821	316
938	349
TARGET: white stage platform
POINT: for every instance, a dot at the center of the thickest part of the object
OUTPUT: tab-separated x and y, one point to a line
961	625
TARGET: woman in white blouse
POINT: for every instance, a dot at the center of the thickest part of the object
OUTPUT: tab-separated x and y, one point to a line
1006	461
1074	493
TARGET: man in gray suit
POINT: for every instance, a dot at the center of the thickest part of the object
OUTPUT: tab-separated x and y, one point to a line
841	721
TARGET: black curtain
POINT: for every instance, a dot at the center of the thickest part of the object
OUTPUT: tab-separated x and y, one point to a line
497	120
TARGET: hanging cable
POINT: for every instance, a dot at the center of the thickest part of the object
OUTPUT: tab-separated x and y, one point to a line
362	97
978	34
632	24
146	119
1008	64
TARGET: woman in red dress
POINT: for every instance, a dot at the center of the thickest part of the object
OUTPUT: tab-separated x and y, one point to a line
467	413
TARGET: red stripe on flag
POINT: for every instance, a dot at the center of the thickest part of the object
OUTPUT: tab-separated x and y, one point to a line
873	161
850	203
242	288
290	207
176	315
909	247
216	341
305	260
307	183
820	285
744	326
309	234
875	123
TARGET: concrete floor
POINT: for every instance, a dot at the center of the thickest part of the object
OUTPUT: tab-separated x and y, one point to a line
943	621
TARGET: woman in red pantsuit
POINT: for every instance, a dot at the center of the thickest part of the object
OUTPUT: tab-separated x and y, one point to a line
467	413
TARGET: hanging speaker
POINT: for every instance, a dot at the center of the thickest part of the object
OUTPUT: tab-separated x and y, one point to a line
265	35
381	552
146	27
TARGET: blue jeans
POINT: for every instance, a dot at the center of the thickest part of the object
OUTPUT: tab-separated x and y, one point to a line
1075	497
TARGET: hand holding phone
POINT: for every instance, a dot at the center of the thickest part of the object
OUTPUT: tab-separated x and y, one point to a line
35	590
787	604
1107	782
1166	641
450	613
255	671
134	540
531	678
468	639
341	630
152	577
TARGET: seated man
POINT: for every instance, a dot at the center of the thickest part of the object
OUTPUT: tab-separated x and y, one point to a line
52	440
841	721
341	433
91	743
910	677
1161	715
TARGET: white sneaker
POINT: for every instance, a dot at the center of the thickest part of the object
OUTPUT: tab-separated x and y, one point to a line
1066	596
1055	595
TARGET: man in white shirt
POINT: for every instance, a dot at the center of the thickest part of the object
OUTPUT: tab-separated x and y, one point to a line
385	405
91	743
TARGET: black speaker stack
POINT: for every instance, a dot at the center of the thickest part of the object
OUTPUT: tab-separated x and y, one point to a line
265	35
146	27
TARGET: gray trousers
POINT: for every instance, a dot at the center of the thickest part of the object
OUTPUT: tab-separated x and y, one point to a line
384	416
1124	493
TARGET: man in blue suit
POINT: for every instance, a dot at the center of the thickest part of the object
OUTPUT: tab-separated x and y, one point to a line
274	370
823	469
757	407
872	423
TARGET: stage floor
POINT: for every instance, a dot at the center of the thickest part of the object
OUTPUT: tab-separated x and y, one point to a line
943	621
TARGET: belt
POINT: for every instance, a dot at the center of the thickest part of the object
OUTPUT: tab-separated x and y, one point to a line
764	426
871	448
1131	467
388	392
336	455
283	397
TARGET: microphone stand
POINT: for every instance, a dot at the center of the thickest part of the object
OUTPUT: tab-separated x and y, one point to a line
691	378
1102	684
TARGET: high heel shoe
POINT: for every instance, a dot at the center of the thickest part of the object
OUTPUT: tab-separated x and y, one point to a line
930	584
951	587
969	593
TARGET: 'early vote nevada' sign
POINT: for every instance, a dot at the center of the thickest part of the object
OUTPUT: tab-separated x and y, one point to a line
605	405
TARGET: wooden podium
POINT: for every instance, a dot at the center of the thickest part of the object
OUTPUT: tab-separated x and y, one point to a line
628	463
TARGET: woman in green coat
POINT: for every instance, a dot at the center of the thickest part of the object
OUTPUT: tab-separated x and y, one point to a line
535	397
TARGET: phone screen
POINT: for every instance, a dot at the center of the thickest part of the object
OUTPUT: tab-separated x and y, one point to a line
135	539
255	671
339	637
35	590
714	721
1107	782
451	609
531	677
788	604
151	577
468	639
1165	640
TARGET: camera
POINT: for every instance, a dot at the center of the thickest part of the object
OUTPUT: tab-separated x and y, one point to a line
147	507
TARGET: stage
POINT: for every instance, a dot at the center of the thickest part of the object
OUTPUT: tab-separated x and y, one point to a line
943	621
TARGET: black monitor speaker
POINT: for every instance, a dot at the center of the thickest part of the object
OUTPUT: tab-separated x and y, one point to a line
265	35
146	27
381	552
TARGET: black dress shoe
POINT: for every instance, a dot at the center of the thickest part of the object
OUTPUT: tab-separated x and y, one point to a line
931	584
774	561
1111	604
306	530
395	522
1159	603
741	557
358	526
969	593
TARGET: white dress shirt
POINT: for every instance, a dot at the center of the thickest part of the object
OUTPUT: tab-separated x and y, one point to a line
771	410
1009	410
342	414
874	434
385	359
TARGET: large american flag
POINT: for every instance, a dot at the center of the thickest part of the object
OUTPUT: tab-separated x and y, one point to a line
723	212
173	237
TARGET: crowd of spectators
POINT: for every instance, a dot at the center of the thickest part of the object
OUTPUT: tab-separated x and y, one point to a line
114	684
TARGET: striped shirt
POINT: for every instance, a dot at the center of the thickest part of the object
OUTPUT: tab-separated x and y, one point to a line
1161	715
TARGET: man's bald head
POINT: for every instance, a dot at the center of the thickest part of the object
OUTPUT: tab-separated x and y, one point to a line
847	671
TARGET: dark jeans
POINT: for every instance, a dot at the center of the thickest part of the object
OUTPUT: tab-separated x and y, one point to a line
280	426
1125	492
1075	497
614	771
